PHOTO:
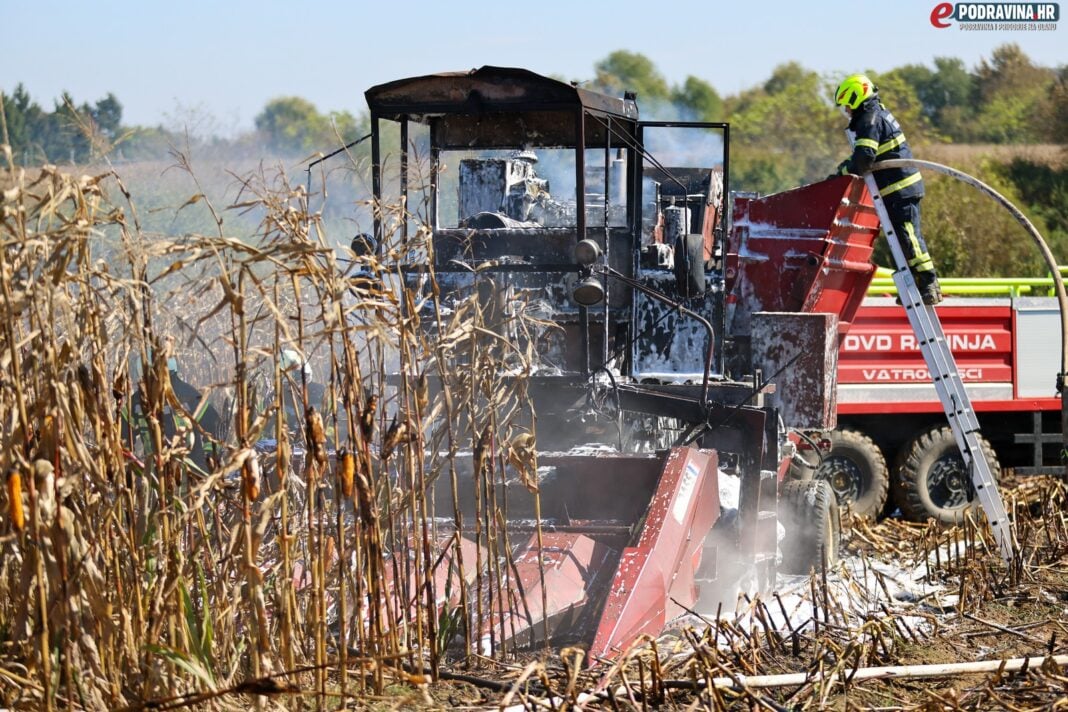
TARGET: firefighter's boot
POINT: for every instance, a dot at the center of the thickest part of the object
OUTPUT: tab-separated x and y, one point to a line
930	290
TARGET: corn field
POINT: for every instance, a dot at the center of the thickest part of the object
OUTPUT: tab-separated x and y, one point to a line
287	546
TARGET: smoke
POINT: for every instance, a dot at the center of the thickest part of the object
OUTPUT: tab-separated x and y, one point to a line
724	574
216	161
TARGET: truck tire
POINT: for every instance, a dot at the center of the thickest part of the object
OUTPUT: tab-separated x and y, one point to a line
809	513
932	481
856	470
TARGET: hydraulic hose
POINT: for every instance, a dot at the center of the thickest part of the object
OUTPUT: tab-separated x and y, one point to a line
1043	248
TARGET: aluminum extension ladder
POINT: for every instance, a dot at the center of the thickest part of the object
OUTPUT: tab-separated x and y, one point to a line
947	383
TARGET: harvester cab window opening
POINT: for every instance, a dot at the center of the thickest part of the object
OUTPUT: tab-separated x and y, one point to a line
684	166
319	175
507	188
667	150
679	231
403	164
417	164
532	188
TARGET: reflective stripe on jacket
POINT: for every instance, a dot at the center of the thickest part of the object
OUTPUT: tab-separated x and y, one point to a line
878	137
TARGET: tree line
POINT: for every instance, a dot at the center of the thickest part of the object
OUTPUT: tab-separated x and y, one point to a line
78	134
785	132
1006	99
67	134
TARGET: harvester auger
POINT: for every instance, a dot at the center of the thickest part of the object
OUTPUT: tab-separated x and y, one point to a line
707	330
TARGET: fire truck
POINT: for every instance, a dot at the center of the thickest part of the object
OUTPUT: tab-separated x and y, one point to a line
892	447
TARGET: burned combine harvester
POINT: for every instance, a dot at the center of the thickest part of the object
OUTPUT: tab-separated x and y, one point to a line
703	338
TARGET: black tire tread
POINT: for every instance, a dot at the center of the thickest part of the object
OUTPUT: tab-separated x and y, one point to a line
909	479
806	520
870	504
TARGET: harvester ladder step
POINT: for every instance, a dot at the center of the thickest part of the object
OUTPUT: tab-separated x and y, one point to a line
947	382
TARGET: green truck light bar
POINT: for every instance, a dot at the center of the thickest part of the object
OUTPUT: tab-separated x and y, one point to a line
883	285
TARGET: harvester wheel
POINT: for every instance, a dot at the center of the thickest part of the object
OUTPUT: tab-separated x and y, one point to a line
856	470
809	513
932	480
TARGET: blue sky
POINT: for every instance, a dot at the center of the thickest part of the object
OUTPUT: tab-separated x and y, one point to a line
218	62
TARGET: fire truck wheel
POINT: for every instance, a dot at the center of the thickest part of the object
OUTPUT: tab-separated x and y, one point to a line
932	480
856	470
809	513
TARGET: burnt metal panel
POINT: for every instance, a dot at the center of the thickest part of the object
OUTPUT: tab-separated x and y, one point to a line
540	245
530	129
489	90
672	346
799	354
503	130
803	250
684	400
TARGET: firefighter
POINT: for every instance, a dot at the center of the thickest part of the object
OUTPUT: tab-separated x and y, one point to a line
877	136
202	451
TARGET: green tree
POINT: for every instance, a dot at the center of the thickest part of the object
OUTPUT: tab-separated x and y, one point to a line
787	76
347	126
952	95
1043	187
699	97
23	116
901	99
946	94
107	115
69	133
631	71
1059	107
970	235
293	125
64	132
1014	98
952	85
785	133
1009	70
290	124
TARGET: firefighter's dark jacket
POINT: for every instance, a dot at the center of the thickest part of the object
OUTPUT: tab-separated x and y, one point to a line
190	398
878	137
